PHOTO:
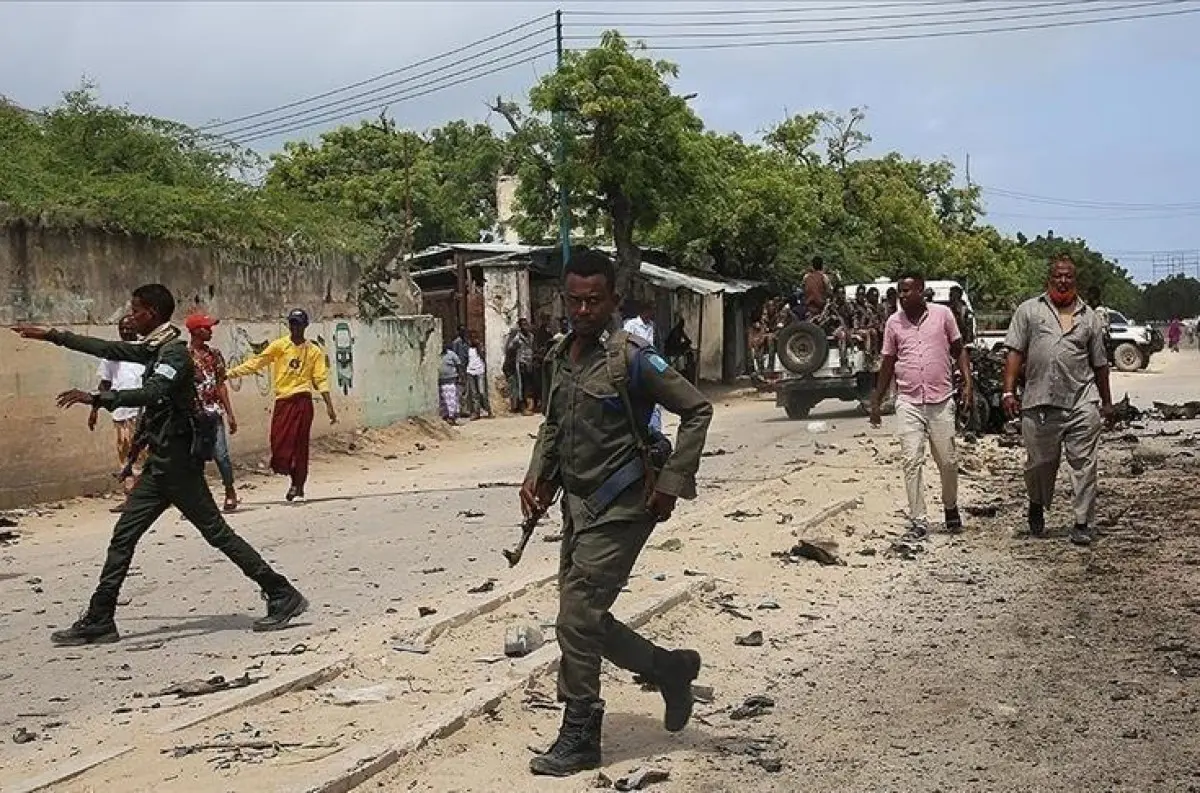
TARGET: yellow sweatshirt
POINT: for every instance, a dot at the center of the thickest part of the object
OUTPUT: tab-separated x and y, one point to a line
296	369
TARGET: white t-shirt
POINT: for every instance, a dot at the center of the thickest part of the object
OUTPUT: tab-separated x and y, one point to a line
124	376
475	366
637	327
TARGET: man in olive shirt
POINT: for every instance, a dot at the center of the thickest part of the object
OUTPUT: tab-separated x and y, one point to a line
1059	340
600	386
173	475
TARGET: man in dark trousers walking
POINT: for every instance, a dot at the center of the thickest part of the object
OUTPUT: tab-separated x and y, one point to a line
174	429
601	385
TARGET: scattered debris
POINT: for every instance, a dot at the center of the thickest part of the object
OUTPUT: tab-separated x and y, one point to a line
1181	412
725	603
432	570
551	537
906	549
486	485
772	765
672	544
198	688
601	782
416	649
522	639
718	452
234	746
296	649
23	735
753	707
536	700
359	696
817	427
867	551
7	521
768	605
470	513
741	514
751	639
486	586
703	693
640	778
808	550
426	611
8	537
982	510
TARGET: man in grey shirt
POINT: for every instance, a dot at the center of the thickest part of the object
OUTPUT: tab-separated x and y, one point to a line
1059	340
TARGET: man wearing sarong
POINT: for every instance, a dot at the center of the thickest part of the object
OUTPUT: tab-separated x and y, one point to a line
298	369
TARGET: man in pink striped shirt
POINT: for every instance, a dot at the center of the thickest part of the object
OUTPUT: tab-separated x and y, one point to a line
918	342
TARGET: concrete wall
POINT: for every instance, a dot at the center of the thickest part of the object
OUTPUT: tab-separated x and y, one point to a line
389	374
502	307
85	277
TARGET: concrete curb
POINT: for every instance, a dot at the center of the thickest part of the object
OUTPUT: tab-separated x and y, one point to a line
68	770
427	634
836	508
244	698
367	763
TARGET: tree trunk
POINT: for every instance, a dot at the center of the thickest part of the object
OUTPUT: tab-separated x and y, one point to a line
629	256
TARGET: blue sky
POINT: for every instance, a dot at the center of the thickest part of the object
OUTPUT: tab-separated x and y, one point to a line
1106	114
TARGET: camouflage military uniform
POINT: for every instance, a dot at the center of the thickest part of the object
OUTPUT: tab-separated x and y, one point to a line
172	475
587	439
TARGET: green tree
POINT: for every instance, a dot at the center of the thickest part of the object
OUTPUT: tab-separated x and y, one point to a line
626	134
436	187
1176	296
84	163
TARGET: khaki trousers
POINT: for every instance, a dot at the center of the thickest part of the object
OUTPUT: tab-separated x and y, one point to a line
915	424
1048	434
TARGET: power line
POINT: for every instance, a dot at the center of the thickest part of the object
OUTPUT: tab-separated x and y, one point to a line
382	102
1086	203
969	9
382	92
1094	218
929	35
379	77
752	11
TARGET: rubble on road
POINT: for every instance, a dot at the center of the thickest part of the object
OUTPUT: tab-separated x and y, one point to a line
640	778
521	640
198	688
752	707
808	550
1185	411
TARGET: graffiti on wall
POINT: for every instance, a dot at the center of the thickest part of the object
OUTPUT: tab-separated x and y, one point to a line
343	356
242	348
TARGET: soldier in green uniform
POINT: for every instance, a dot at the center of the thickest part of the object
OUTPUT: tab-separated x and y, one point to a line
173	430
618	481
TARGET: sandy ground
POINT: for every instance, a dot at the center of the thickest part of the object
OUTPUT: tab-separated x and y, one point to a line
984	662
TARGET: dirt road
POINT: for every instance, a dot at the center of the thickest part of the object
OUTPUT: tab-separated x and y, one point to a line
981	663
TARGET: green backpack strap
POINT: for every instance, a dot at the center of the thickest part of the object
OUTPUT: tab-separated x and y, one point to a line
618	362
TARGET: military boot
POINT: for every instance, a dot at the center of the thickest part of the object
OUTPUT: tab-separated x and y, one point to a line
674	671
96	626
284	603
577	747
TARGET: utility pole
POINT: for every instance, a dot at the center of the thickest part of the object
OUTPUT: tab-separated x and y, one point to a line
564	211
968	169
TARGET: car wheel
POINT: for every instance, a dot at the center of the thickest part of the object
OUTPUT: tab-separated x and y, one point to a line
802	347
1127	357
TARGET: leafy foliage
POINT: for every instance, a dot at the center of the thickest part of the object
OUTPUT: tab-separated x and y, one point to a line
83	163
1176	296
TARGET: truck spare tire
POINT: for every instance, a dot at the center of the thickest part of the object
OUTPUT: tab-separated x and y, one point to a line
802	347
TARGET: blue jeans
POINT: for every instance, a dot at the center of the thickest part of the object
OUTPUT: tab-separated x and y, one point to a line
221	455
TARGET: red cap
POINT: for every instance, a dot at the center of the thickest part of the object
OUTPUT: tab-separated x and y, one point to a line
197	321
